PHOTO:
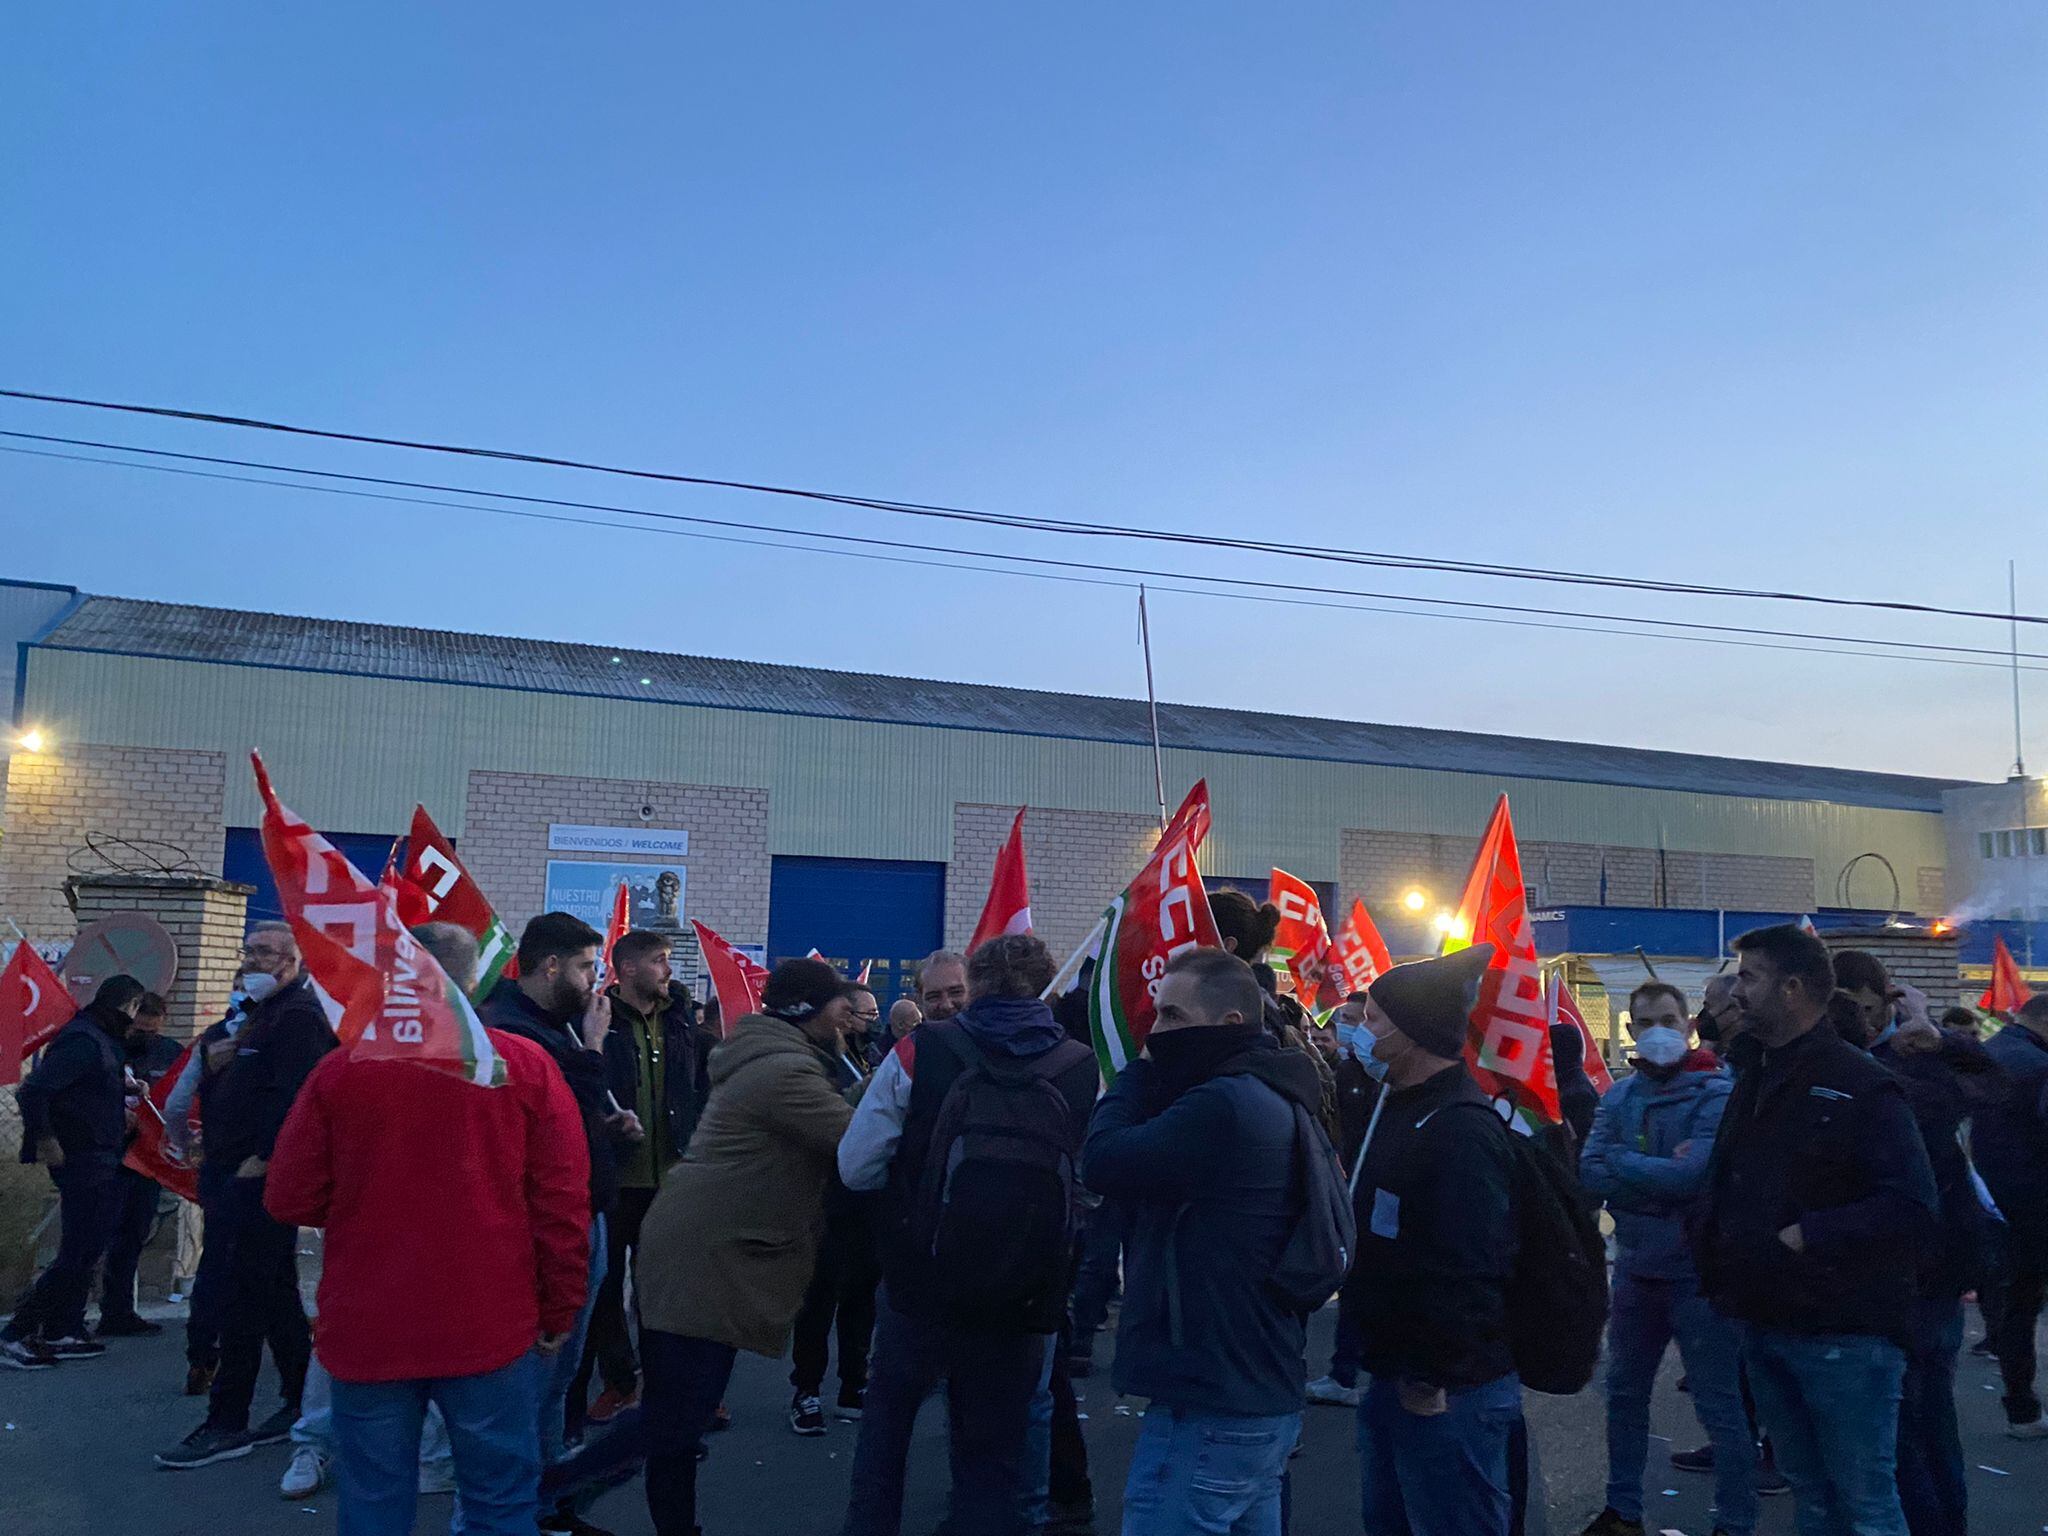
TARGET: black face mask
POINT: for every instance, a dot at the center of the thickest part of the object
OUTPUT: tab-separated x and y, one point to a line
1186	1057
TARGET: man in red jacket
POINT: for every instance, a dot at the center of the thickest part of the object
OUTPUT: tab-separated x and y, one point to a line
457	1225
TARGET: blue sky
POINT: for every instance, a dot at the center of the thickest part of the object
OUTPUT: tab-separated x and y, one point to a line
1744	294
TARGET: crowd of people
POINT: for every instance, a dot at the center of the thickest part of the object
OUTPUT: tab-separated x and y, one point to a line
1805	1178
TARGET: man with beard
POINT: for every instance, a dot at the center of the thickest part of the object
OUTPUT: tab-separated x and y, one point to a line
941	986
555	1003
1197	1138
1820	1201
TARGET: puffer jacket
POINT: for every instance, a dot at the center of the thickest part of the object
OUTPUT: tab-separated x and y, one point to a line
1632	1160
727	1248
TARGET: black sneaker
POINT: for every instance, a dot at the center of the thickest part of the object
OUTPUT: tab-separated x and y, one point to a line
1984	1349
1080	1367
128	1327
1701	1460
1770	1482
1608	1523
203	1447
75	1346
276	1429
806	1415
851	1402
26	1355
1071	1519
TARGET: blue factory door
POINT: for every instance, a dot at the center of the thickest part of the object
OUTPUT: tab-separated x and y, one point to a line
890	911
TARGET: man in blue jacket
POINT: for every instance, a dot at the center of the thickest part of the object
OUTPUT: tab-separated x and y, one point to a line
1647	1158
72	1120
1197	1139
2010	1142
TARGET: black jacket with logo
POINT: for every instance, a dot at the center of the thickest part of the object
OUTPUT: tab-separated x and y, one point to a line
243	1106
510	1009
1816	1134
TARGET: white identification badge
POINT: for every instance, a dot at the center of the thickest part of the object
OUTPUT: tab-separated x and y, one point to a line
1386	1214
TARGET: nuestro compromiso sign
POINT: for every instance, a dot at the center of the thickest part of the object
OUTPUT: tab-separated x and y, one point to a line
644	842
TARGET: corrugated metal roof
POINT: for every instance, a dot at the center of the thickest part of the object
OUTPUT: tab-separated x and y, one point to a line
178	632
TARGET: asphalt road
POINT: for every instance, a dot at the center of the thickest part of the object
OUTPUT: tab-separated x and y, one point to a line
76	1445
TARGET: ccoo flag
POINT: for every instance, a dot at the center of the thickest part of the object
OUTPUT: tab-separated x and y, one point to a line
148	1154
394	1001
620	925
1358	955
433	887
1564	1009
34	1005
1301	944
1508	1046
2008	989
735	979
1008	908
1162	912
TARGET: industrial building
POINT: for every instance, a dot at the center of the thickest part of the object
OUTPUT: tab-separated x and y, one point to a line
801	807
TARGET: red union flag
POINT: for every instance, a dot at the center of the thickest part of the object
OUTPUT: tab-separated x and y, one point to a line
1508	1047
389	998
433	887
1162	912
34	1005
620	925
735	979
1008	907
1358	956
1564	1009
1301	944
2008	989
147	1154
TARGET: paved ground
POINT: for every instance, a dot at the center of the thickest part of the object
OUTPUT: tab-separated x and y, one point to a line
76	1444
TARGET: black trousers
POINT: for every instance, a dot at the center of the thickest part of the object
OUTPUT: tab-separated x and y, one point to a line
54	1306
134	1216
686	1379
1069	1486
259	1301
842	1289
608	1347
2012	1337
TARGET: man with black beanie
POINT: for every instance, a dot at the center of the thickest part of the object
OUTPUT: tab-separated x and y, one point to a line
1436	1246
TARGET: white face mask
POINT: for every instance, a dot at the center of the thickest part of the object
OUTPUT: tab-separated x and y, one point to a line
257	985
1661	1046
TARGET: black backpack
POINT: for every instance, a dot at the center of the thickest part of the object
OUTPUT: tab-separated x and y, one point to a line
1317	1258
995	1207
1557	1295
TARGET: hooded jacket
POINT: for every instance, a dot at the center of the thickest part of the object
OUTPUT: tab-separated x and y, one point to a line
1208	1176
885	1146
1633	1161
664	1039
727	1248
74	1093
509	1008
2009	1138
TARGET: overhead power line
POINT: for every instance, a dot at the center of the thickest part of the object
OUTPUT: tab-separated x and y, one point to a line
1440	564
1286	594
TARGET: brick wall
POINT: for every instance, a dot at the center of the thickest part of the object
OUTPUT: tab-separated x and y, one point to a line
55	799
1380	866
204	917
1931	963
505	841
1076	860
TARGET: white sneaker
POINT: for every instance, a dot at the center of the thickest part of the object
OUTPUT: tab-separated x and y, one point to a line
437	1476
305	1476
1327	1389
2035	1428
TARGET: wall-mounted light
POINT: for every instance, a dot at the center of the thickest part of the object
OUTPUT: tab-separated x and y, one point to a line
1415	899
34	739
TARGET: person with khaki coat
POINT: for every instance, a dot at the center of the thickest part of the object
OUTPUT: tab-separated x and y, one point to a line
728	1246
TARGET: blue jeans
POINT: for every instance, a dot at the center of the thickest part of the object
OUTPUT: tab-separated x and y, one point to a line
1931	1487
1646	1316
1830	1403
554	1404
315	1424
1207	1473
991	1379
1038	1448
1444	1475
492	1422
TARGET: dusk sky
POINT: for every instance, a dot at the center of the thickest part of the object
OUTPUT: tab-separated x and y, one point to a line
1740	294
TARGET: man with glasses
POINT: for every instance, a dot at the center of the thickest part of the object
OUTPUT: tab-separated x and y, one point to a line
246	1089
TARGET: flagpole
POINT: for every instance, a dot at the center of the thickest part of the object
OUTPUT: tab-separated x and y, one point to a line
1152	699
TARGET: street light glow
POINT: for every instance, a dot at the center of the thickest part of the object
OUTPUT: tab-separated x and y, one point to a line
32	739
1445	922
1415	900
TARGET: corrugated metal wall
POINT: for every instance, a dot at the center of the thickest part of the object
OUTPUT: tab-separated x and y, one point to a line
354	753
